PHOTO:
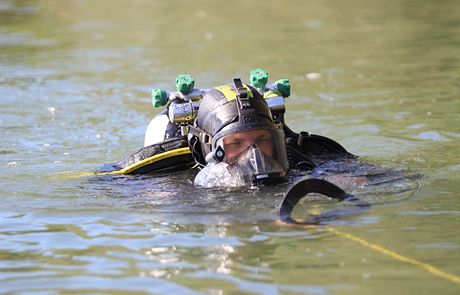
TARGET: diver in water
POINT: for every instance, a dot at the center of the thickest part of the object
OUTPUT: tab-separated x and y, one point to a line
236	136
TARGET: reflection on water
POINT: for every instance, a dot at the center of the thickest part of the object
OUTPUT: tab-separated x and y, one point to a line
75	78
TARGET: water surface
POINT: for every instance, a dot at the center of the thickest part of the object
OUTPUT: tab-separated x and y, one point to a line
381	78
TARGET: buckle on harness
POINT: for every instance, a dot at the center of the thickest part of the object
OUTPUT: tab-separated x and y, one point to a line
205	138
202	136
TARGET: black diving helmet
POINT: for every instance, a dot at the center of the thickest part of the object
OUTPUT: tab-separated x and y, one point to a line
235	137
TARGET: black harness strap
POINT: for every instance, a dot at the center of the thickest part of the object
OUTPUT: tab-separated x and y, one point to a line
202	136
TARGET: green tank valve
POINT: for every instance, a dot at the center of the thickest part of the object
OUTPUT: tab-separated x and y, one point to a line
284	87
159	97
185	83
258	78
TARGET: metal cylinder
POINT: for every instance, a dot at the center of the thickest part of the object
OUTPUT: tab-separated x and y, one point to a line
182	112
276	104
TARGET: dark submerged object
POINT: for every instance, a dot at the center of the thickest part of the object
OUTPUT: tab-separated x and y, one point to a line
307	186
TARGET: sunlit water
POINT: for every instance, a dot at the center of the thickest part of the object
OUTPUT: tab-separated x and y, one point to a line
381	78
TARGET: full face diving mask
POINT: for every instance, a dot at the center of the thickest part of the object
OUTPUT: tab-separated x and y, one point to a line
241	114
262	161
253	166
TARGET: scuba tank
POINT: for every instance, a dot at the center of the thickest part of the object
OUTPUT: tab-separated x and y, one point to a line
181	107
166	147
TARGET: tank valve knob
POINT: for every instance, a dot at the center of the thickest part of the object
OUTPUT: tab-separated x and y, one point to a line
284	87
185	83
258	78
159	97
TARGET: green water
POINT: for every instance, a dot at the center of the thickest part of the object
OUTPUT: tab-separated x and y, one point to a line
380	77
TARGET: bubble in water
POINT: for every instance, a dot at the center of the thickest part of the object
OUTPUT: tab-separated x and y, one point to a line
217	175
313	76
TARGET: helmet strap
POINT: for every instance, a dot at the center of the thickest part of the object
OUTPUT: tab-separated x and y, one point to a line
246	111
241	94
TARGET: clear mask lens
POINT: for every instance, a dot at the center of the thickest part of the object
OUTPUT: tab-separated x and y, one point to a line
251	156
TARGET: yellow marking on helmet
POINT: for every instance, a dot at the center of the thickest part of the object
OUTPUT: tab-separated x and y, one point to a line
230	93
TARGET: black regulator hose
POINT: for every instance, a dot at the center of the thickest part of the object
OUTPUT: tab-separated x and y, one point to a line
319	186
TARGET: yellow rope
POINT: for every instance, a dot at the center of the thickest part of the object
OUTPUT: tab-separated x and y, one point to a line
431	269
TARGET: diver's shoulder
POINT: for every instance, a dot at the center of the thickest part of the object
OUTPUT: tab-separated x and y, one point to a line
168	155
307	150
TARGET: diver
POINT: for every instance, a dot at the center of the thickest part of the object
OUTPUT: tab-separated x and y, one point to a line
236	135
